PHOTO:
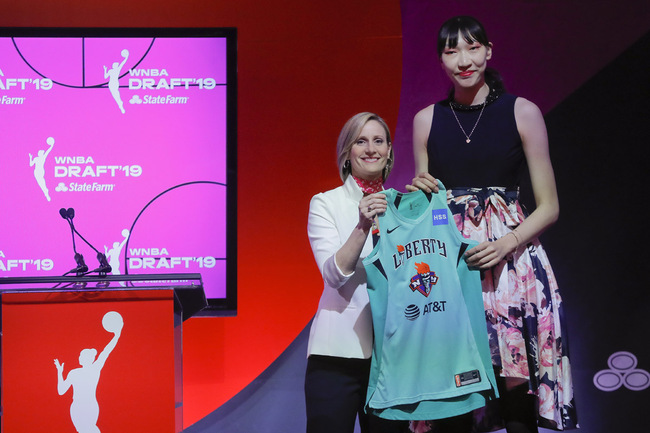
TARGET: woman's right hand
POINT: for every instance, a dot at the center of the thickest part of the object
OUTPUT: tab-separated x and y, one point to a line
369	207
425	182
347	256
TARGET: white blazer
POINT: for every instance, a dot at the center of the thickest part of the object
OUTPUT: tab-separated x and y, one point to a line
342	325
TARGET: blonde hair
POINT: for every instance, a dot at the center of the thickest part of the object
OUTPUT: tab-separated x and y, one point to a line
348	136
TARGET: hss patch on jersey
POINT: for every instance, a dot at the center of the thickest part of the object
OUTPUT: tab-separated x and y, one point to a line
439	217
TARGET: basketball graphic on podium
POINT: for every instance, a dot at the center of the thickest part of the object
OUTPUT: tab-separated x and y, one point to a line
112	322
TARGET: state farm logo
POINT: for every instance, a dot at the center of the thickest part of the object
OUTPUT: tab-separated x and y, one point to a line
622	371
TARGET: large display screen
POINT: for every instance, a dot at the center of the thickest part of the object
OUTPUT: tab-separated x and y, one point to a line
130	134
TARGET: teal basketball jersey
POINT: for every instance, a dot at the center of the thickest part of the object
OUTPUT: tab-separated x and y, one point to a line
431	357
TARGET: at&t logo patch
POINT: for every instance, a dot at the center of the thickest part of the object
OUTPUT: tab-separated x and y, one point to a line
412	312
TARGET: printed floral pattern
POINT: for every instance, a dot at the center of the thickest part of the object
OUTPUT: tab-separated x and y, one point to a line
522	304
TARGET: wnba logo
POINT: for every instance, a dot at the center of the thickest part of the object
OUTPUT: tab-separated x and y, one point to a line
622	372
84	410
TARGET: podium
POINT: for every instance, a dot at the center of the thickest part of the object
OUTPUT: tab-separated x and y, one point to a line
95	354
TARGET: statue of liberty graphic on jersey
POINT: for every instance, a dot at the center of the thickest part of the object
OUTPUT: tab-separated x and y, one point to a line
38	162
424	280
84	410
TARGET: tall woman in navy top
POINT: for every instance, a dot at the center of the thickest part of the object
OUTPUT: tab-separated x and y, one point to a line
339	227
478	142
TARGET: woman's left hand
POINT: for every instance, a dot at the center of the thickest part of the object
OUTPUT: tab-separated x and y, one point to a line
425	182
488	254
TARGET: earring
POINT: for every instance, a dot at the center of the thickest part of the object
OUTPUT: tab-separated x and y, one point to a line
387	168
347	165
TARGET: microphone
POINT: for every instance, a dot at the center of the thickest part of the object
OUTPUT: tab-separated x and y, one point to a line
104	267
78	258
81	264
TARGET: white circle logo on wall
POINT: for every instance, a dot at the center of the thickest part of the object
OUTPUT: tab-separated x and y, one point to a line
622	372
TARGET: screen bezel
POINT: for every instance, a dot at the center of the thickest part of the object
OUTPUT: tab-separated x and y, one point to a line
216	306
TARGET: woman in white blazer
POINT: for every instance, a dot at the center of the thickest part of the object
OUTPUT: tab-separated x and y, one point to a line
340	230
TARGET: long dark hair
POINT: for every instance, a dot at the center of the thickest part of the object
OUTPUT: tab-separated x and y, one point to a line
472	31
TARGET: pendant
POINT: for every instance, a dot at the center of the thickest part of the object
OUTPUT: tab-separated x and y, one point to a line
467	141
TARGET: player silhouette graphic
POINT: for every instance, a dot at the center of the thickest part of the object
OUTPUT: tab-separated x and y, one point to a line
113	255
113	76
38	163
84	409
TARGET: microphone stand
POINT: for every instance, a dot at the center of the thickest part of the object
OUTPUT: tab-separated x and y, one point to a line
104	267
81	268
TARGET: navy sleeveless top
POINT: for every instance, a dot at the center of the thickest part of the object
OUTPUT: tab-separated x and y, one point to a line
493	157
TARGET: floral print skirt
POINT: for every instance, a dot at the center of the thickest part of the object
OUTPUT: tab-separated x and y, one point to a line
523	308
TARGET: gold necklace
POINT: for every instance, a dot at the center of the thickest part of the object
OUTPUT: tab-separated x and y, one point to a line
467	137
